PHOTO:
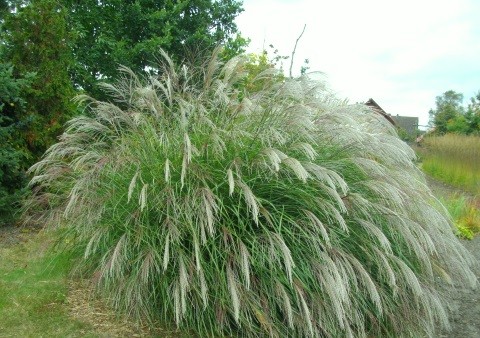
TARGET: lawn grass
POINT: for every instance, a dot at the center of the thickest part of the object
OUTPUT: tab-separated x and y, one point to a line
33	291
453	159
39	298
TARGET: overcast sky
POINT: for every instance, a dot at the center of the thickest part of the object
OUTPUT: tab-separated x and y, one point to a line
400	53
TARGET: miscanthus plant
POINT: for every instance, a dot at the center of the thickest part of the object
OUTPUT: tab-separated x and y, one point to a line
282	212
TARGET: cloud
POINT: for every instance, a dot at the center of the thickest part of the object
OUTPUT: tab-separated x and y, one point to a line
402	54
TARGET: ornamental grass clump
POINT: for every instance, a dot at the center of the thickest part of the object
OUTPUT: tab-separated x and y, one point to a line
280	212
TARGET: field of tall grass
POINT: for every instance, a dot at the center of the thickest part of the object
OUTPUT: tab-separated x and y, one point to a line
453	159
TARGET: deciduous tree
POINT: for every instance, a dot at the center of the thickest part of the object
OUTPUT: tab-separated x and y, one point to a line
448	107
450	116
130	33
473	115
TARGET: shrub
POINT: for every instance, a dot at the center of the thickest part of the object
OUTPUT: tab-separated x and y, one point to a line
280	212
13	155
12	175
465	213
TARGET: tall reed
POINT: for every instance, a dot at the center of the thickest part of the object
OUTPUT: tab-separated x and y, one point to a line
280	212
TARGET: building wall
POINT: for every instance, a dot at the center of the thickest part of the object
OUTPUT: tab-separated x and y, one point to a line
408	123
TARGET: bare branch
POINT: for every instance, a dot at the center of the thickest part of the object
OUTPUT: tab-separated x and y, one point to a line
295	48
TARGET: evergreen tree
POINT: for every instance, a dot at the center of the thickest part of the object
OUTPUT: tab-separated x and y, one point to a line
12	152
36	40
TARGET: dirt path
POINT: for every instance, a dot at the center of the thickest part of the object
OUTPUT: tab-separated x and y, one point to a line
465	304
445	190
465	318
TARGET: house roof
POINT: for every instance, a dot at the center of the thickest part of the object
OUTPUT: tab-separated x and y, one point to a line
379	110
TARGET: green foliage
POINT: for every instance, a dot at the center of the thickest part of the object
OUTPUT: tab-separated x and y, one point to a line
458	125
451	117
453	159
37	41
234	46
12	173
12	152
113	32
473	115
448	107
280	212
305	67
84	41
255	68
262	69
465	213
404	135
12	104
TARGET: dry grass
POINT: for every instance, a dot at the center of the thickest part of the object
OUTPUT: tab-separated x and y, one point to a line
83	305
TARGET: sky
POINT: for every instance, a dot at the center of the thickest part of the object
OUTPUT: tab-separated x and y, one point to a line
400	53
